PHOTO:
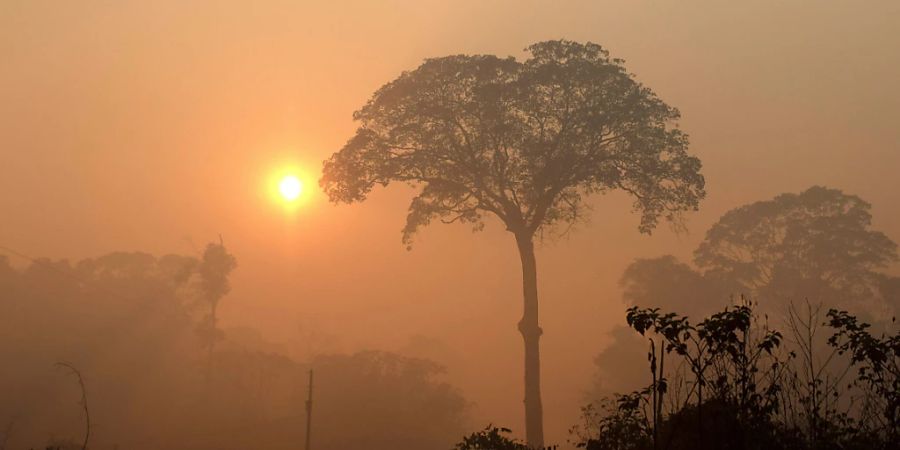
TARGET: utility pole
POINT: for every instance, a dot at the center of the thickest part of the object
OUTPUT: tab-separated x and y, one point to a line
309	409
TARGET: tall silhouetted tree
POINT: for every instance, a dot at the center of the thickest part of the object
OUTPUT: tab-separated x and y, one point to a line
213	272
525	142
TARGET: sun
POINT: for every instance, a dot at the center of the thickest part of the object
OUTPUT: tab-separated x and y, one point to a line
290	187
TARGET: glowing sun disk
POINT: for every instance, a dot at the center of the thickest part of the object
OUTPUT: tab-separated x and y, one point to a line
290	187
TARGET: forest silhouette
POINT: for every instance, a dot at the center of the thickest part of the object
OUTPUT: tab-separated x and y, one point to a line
780	333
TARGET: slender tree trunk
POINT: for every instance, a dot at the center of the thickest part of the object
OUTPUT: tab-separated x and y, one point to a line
655	385
211	345
531	334
309	405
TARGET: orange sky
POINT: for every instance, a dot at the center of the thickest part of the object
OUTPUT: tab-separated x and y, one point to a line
154	125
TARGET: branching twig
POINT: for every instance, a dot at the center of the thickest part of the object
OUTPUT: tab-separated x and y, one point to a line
84	402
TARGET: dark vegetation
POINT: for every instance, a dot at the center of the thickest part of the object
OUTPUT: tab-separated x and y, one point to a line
138	330
493	438
821	378
816	246
731	382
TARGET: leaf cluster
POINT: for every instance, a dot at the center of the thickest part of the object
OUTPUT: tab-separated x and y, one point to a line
525	141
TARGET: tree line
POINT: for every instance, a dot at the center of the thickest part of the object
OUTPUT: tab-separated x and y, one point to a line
155	369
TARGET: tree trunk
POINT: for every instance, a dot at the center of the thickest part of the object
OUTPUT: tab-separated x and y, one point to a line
211	348
531	334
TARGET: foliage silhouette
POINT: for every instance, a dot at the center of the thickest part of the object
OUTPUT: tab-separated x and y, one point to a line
817	245
740	393
877	360
213	270
493	438
615	424
490	438
525	142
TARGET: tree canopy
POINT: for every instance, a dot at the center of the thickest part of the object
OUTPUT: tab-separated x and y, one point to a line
524	141
817	244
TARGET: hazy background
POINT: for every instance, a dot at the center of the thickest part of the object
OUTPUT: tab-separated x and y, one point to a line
156	126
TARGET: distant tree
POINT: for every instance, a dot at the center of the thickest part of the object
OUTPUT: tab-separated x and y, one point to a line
128	321
619	367
816	244
119	319
384	401
525	142
663	280
213	271
681	287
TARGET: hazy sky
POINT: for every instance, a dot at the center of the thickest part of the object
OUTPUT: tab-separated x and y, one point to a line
156	126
